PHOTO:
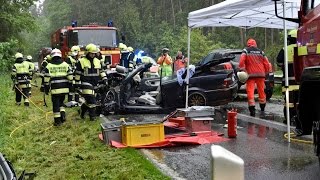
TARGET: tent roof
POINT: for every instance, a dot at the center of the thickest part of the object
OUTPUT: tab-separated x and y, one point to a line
245	14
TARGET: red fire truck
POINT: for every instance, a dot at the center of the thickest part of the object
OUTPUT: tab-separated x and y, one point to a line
105	37
307	68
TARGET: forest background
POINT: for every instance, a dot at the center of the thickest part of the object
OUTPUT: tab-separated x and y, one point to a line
26	26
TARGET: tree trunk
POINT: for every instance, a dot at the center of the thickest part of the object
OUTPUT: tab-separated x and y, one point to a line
272	37
173	15
242	37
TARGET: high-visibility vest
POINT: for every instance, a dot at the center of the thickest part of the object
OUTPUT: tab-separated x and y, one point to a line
21	72
88	73
59	76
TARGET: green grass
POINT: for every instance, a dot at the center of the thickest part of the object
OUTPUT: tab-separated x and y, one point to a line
277	90
72	151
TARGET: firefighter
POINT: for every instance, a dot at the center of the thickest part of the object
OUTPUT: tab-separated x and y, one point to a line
57	79
105	62
31	68
256	64
165	62
124	59
44	64
20	76
72	59
88	73
130	58
293	86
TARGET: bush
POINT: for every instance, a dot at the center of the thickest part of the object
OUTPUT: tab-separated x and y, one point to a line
7	50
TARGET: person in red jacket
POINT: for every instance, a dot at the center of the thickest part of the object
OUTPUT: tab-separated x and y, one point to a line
256	64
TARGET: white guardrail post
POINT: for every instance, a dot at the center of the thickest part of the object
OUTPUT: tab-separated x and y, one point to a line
225	165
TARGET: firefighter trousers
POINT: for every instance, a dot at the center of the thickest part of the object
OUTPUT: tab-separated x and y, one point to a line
25	95
58	106
89	105
250	90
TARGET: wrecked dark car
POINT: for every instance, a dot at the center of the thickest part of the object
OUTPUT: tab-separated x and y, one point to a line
217	54
211	84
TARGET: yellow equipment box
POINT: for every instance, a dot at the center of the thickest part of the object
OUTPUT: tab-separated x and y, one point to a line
142	133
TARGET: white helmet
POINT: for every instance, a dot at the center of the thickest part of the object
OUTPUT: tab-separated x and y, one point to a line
55	52
29	57
242	76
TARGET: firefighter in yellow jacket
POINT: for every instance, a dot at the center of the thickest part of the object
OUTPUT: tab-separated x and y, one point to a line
293	85
57	78
20	76
72	60
88	73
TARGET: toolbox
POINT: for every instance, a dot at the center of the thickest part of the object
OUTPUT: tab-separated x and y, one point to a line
111	131
199	124
179	120
142	133
196	111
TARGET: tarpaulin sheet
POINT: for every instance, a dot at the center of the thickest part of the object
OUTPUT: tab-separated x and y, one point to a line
197	138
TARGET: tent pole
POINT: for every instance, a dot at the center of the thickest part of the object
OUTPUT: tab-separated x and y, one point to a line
286	70
187	87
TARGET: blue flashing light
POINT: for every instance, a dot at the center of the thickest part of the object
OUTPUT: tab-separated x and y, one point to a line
74	23
110	23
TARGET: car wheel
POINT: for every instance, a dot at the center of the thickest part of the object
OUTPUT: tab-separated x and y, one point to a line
197	99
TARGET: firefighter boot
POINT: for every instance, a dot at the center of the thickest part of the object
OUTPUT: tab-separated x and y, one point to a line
83	111
63	116
92	114
70	97
262	106
252	110
57	121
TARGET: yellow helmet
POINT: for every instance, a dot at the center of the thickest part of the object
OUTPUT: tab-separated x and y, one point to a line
98	50
293	33
122	47
18	55
75	48
29	57
91	48
130	49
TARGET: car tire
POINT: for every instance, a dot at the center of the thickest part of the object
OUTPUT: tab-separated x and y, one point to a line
197	99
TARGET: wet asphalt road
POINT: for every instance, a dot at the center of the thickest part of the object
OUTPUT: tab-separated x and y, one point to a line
260	143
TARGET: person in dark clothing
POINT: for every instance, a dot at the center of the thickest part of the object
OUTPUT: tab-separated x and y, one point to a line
20	76
57	78
293	85
88	73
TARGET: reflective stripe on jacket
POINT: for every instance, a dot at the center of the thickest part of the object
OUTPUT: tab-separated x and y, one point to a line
254	62
20	73
59	77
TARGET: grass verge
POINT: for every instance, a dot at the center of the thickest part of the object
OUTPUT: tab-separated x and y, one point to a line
72	151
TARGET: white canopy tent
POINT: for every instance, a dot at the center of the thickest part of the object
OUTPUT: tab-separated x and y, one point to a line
247	14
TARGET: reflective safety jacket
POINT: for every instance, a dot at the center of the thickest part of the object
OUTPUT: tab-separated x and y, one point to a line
165	64
71	61
126	59
20	73
88	73
58	76
293	86
253	61
105	61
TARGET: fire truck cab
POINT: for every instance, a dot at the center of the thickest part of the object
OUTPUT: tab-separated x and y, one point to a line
105	37
307	68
